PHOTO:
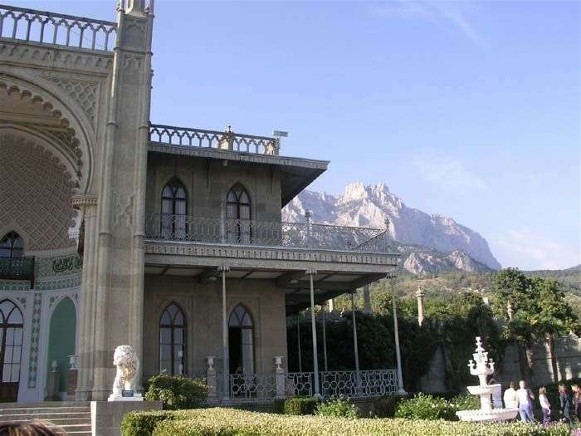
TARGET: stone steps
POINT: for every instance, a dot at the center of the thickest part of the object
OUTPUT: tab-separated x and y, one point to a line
74	418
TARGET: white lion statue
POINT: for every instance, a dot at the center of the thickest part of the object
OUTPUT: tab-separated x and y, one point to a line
125	358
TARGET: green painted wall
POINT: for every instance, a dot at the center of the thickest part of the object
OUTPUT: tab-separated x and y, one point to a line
61	342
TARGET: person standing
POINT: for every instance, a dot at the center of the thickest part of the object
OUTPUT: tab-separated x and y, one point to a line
565	402
576	401
545	406
525	402
510	397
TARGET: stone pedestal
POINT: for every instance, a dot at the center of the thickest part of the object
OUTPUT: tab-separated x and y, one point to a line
280	377
212	381
106	416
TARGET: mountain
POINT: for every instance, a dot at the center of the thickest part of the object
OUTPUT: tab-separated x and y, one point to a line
429	243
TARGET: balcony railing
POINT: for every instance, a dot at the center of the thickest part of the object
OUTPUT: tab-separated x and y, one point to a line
51	28
268	234
20	268
332	384
227	140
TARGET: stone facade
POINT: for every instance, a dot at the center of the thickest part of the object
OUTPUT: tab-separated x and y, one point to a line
84	178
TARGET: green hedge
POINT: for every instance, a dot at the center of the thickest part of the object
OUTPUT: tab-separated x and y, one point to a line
297	406
143	423
225	422
176	391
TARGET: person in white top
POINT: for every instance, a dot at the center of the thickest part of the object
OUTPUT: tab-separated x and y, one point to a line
525	402
545	406
510	398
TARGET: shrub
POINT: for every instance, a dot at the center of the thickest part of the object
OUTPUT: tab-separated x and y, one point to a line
384	407
424	406
465	402
297	406
176	392
226	422
143	423
339	407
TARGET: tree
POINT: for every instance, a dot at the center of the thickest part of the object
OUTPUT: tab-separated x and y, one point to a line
539	313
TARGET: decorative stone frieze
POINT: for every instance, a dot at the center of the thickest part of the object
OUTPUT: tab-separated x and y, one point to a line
199	250
83	200
59	58
85	94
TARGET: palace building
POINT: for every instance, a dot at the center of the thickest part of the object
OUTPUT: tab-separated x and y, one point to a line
115	230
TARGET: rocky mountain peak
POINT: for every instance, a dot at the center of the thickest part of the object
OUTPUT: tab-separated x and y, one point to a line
369	206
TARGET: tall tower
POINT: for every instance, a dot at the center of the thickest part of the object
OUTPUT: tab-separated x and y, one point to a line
113	273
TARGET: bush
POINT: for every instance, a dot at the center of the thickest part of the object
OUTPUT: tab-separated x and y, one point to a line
384	407
297	406
337	407
465	402
424	406
176	392
226	422
143	423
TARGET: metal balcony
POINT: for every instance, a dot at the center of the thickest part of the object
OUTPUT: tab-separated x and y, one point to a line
19	268
308	235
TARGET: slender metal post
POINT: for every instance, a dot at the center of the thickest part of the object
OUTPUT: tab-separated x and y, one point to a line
308	219
222	224
355	346
225	351
325	336
400	389
311	273
299	343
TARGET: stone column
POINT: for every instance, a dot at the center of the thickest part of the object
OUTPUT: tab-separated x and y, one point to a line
87	322
420	296
113	294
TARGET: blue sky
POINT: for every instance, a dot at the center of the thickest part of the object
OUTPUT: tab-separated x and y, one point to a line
465	109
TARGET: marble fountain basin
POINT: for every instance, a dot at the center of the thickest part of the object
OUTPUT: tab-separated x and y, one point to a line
487	415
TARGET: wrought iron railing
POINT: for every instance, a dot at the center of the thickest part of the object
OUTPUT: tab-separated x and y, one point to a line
262	233
59	29
358	384
20	268
267	387
227	140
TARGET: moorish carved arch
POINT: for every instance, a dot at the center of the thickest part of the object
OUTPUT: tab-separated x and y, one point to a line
47	97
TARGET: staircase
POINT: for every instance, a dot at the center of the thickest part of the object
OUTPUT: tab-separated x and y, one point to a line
73	417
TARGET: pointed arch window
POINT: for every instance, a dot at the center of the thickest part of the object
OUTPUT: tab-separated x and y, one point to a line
11	246
173	210
172	340
238	215
241	341
11	325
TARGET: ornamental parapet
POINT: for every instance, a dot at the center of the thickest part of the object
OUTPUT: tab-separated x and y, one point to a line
36	26
226	140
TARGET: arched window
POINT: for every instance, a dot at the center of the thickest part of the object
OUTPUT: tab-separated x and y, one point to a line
173	210
241	341
172	340
11	246
11	324
238	215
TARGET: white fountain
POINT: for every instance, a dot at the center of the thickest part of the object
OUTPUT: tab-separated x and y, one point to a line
482	367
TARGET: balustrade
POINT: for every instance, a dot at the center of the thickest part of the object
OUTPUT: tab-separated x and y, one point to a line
263	233
19	268
227	140
58	29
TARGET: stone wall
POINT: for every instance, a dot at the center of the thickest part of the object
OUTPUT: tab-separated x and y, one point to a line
202	305
207	183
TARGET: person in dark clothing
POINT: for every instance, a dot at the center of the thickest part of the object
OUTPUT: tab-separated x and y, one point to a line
565	402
